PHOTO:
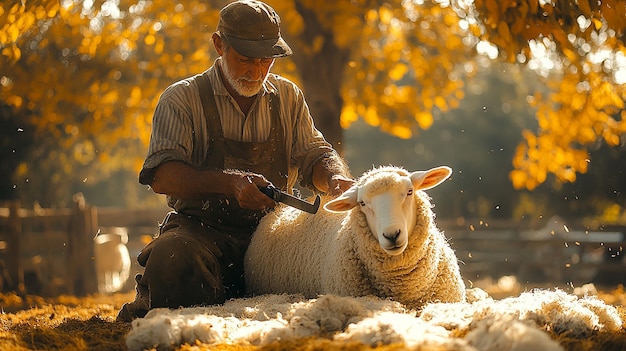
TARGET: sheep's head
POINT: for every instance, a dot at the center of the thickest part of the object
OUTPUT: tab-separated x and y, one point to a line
386	196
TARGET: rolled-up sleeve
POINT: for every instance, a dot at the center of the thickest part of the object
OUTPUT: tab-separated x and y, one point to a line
309	145
170	140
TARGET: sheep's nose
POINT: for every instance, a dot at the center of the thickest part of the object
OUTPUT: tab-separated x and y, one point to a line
393	236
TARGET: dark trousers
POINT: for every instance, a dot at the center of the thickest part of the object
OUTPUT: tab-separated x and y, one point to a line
189	264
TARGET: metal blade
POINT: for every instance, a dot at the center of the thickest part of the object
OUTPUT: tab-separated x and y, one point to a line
291	200
299	203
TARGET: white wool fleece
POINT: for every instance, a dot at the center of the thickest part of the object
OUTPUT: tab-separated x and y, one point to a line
336	253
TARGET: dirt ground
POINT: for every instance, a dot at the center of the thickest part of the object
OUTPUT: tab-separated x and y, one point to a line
88	323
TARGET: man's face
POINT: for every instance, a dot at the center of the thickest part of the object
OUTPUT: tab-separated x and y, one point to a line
245	75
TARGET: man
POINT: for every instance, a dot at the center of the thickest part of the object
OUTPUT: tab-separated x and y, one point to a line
216	138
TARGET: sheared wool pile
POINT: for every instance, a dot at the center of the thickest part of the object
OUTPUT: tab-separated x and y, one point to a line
514	323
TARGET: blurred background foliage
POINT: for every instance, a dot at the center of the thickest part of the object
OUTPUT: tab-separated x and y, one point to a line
478	140
524	99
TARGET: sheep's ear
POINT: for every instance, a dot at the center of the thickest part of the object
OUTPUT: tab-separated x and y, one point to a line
343	202
423	180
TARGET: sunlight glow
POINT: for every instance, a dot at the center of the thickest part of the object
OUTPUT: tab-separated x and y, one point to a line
620	71
488	49
111	9
543	57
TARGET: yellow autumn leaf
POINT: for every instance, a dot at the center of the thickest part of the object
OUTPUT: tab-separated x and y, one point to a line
371	16
40	13
596	23
371	116
198	55
178	19
149	39
15	101
424	119
12	52
401	131
441	103
134	98
53	9
158	48
571	55
348	116
540	174
531	183
586	135
612	213
398	71
385	15
109	98
583	164
611	138
503	28
13	32
566	174
518	178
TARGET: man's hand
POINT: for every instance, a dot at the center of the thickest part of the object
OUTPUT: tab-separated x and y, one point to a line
338	184
181	181
246	191
331	175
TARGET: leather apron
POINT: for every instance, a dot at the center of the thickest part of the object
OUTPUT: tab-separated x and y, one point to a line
267	158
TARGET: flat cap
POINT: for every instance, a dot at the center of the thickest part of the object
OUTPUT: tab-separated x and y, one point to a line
252	28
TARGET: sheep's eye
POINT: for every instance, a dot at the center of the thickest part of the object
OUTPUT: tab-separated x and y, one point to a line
362	203
410	192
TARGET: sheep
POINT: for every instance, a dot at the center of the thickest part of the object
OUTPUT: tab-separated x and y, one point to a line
112	260
377	238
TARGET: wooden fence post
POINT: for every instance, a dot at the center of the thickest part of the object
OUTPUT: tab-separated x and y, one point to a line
81	266
15	270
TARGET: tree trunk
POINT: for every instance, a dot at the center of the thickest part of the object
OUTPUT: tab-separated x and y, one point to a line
322	73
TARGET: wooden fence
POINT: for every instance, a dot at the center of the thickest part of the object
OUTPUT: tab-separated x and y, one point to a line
552	250
50	252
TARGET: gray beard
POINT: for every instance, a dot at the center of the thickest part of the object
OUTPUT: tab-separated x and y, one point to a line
237	84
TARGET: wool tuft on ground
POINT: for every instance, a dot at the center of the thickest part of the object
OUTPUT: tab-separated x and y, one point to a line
481	323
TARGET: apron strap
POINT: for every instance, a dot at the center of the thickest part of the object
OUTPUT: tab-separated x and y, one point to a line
207	97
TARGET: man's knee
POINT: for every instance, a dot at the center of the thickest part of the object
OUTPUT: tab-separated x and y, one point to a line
177	254
182	272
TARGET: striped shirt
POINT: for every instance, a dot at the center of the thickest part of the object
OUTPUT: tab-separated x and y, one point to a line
180	129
